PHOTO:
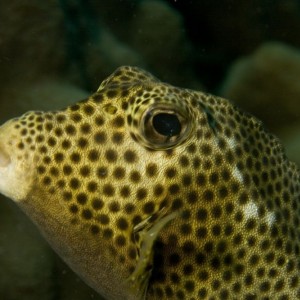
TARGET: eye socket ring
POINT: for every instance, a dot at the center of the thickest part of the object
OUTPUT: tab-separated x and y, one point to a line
163	127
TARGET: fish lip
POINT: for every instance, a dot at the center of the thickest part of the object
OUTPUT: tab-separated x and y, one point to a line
5	158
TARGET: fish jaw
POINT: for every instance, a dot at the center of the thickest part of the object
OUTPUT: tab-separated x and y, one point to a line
19	181
16	172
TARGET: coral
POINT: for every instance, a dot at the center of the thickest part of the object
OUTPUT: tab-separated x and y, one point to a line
291	140
31	40
156	33
108	53
267	84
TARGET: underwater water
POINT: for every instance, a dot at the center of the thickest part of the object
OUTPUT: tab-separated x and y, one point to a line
56	52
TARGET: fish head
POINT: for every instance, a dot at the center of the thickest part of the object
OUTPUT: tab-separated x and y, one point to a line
92	175
149	191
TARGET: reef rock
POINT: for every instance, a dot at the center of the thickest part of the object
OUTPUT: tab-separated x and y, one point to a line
266	84
157	33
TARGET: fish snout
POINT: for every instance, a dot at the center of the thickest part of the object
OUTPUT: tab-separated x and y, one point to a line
15	162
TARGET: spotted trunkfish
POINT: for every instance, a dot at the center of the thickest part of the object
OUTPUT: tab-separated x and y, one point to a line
149	191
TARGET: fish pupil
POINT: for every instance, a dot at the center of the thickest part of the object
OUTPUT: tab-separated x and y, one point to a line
166	124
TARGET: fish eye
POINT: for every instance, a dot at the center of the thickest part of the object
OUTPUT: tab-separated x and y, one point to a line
166	124
164	127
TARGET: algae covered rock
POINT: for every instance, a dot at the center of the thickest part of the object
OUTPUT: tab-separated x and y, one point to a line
31	39
266	84
291	140
157	33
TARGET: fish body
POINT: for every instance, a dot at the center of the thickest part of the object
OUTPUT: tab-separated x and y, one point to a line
149	191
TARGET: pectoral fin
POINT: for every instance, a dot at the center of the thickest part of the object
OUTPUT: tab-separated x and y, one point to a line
146	233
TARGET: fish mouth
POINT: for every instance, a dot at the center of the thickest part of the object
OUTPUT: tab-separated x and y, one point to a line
5	158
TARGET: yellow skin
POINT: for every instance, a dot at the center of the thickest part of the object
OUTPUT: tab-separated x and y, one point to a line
153	192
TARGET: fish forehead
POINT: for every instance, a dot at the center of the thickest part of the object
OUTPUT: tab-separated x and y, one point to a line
237	233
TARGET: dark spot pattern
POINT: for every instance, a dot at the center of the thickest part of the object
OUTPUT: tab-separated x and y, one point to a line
101	167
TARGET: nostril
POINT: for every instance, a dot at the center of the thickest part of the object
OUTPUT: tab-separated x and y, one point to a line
4	158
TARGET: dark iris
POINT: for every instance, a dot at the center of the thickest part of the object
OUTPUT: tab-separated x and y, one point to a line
166	124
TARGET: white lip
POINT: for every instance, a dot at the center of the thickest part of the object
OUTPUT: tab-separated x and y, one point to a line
5	159
15	165
15	178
